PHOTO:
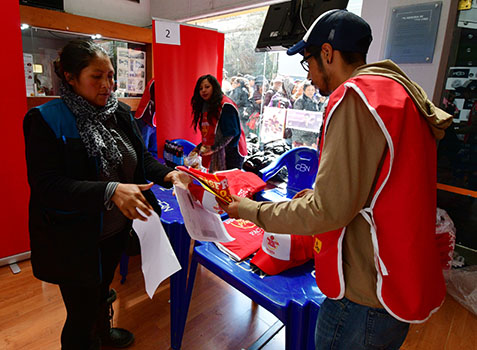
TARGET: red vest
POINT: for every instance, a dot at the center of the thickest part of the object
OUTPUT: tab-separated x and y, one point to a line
402	213
209	128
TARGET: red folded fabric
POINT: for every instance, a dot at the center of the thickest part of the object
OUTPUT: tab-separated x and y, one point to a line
243	183
248	239
224	183
214	183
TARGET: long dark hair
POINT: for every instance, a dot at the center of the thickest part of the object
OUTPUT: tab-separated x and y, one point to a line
76	56
197	102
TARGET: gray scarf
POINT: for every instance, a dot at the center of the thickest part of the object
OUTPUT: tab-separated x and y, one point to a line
97	138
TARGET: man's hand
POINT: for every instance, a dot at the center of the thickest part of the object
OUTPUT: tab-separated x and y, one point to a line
128	197
231	208
302	193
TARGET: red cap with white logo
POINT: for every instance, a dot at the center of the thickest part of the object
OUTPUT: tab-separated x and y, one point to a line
280	252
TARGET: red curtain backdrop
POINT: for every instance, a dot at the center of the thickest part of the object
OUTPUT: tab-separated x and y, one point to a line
176	70
15	192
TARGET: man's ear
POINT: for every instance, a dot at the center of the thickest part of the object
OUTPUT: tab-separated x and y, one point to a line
327	51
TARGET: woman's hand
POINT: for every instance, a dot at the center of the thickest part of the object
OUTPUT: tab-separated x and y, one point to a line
178	178
206	150
129	197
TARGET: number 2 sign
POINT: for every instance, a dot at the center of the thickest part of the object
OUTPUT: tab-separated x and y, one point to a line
167	32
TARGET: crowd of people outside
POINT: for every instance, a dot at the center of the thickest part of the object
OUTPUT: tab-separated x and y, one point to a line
253	93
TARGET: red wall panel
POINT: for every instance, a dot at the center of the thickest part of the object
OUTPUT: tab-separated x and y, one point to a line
176	70
14	187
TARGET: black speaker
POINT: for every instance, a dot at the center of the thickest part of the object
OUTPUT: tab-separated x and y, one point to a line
47	4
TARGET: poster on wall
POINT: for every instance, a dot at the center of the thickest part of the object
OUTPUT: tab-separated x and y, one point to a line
463	82
458	77
413	33
131	70
29	77
273	124
304	120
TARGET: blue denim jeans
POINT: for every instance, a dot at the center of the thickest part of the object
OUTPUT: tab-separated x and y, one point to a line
344	325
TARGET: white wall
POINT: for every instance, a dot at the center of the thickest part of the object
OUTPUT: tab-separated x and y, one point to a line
122	11
428	75
139	14
181	10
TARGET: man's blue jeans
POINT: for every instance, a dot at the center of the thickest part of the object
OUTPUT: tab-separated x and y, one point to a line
344	325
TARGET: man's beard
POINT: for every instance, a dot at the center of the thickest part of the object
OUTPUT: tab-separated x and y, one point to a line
326	91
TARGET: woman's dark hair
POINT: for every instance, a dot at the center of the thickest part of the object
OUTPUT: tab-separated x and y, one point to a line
76	56
243	83
214	103
306	85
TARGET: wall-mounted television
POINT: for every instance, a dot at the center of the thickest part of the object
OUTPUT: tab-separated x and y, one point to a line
48	4
287	22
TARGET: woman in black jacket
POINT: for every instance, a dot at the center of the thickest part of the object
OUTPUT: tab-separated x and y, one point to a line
307	101
87	170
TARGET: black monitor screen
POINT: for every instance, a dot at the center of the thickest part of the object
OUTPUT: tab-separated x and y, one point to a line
286	23
49	4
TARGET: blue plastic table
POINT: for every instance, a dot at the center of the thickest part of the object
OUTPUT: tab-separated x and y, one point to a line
292	296
280	286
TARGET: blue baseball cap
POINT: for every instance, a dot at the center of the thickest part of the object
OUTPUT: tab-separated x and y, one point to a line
343	30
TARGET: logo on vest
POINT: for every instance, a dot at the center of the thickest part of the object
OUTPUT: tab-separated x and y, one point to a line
204	129
317	246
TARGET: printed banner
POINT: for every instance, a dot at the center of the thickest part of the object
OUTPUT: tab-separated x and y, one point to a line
14	238
176	70
304	120
273	124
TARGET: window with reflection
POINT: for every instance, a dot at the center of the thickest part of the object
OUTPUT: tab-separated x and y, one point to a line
41	48
268	87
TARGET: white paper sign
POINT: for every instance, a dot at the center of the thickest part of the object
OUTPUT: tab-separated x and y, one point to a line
167	32
29	80
158	260
201	224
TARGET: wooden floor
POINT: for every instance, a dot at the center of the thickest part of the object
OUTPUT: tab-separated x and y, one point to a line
220	318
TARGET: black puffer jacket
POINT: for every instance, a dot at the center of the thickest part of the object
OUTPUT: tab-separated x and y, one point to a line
306	103
67	200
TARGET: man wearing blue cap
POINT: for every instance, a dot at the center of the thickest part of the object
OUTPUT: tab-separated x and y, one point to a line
373	207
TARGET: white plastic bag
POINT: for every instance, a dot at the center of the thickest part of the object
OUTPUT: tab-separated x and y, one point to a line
445	236
193	160
462	286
